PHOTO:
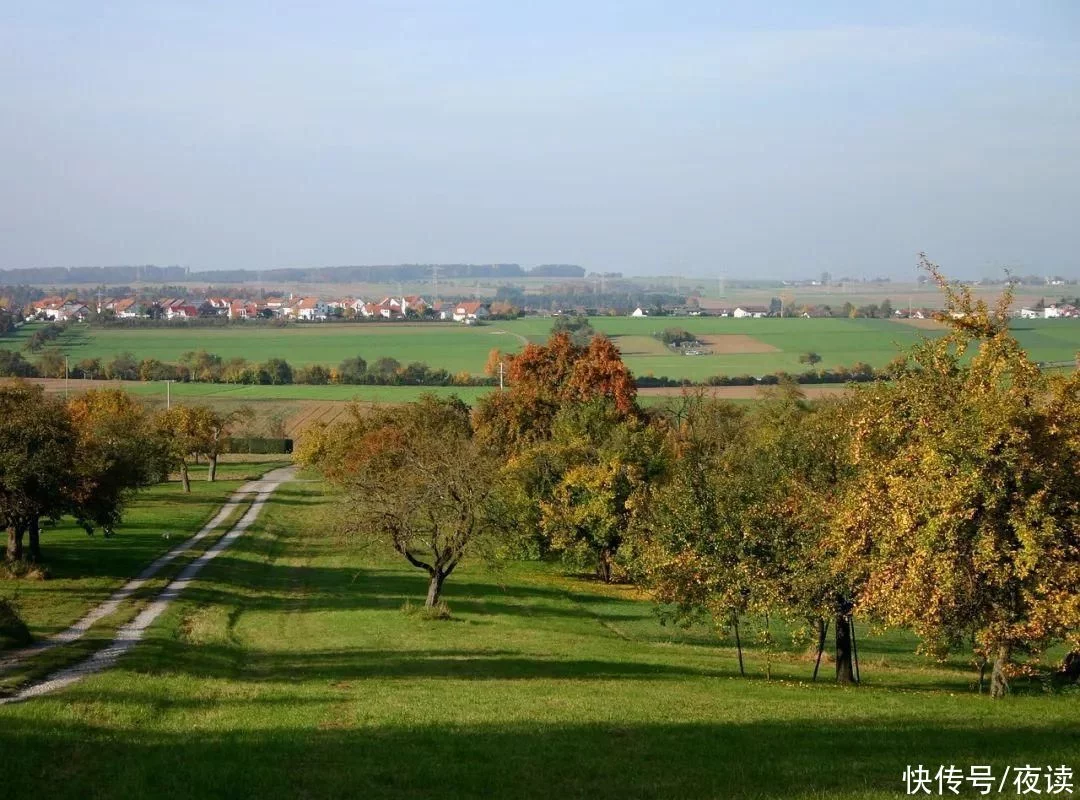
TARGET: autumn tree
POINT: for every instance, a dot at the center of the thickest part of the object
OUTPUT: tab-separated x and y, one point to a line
37	464
198	431
543	378
118	452
736	531
964	519
179	429
581	487
414	478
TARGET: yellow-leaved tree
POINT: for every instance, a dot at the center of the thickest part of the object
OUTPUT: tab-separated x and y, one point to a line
963	518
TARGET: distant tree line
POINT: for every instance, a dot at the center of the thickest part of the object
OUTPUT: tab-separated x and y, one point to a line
367	274
589	298
200	366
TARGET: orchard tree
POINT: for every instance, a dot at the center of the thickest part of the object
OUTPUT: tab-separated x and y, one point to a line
544	378
738	528
179	429
686	553
964	518
118	452
414	478
37	464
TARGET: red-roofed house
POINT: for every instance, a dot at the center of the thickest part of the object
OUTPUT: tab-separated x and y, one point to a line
470	312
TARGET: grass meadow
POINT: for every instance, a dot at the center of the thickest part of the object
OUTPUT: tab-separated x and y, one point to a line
289	669
756	346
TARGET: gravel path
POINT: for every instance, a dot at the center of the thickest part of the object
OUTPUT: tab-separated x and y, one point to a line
130	634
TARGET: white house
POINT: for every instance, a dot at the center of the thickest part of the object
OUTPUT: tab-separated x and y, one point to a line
472	311
311	308
72	309
1029	313
749	311
639	312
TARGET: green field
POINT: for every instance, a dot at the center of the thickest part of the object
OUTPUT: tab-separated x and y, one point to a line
289	669
840	342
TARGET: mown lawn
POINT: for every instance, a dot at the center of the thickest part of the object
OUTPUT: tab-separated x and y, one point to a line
84	570
290	670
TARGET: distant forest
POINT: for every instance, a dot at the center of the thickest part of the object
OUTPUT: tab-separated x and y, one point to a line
369	274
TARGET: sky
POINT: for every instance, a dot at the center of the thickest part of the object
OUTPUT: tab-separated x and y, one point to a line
744	139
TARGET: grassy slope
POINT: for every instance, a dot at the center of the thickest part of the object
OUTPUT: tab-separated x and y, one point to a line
289	670
84	570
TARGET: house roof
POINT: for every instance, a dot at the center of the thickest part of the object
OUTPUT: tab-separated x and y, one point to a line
469	308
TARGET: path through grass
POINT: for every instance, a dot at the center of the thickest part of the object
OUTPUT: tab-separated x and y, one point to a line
289	670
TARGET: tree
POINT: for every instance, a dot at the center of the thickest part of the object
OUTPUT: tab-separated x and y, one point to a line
577	327
277	371
51	363
352	370
414	478
13	365
543	378
118	452
37	464
687	551
178	428
964	520
123	367
810	358
738	528
581	489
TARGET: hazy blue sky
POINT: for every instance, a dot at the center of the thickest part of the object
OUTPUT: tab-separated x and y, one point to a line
752	138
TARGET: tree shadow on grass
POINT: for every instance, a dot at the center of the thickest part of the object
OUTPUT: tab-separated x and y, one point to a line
170	657
769	758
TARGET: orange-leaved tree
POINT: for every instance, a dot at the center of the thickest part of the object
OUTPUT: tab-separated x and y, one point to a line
543	378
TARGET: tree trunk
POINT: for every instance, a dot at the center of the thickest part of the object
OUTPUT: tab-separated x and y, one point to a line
738	647
211	472
1070	666
822	626
603	566
434	589
185	479
845	672
14	544
35	540
999	681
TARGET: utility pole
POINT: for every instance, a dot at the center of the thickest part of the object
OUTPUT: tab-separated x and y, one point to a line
67	383
435	282
500	375
168	395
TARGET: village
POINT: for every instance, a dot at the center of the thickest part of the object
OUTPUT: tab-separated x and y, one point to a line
309	309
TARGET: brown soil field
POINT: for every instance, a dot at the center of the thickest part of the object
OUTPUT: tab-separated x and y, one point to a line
729	343
311	412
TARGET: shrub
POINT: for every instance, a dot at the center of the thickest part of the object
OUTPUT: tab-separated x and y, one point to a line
13	630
